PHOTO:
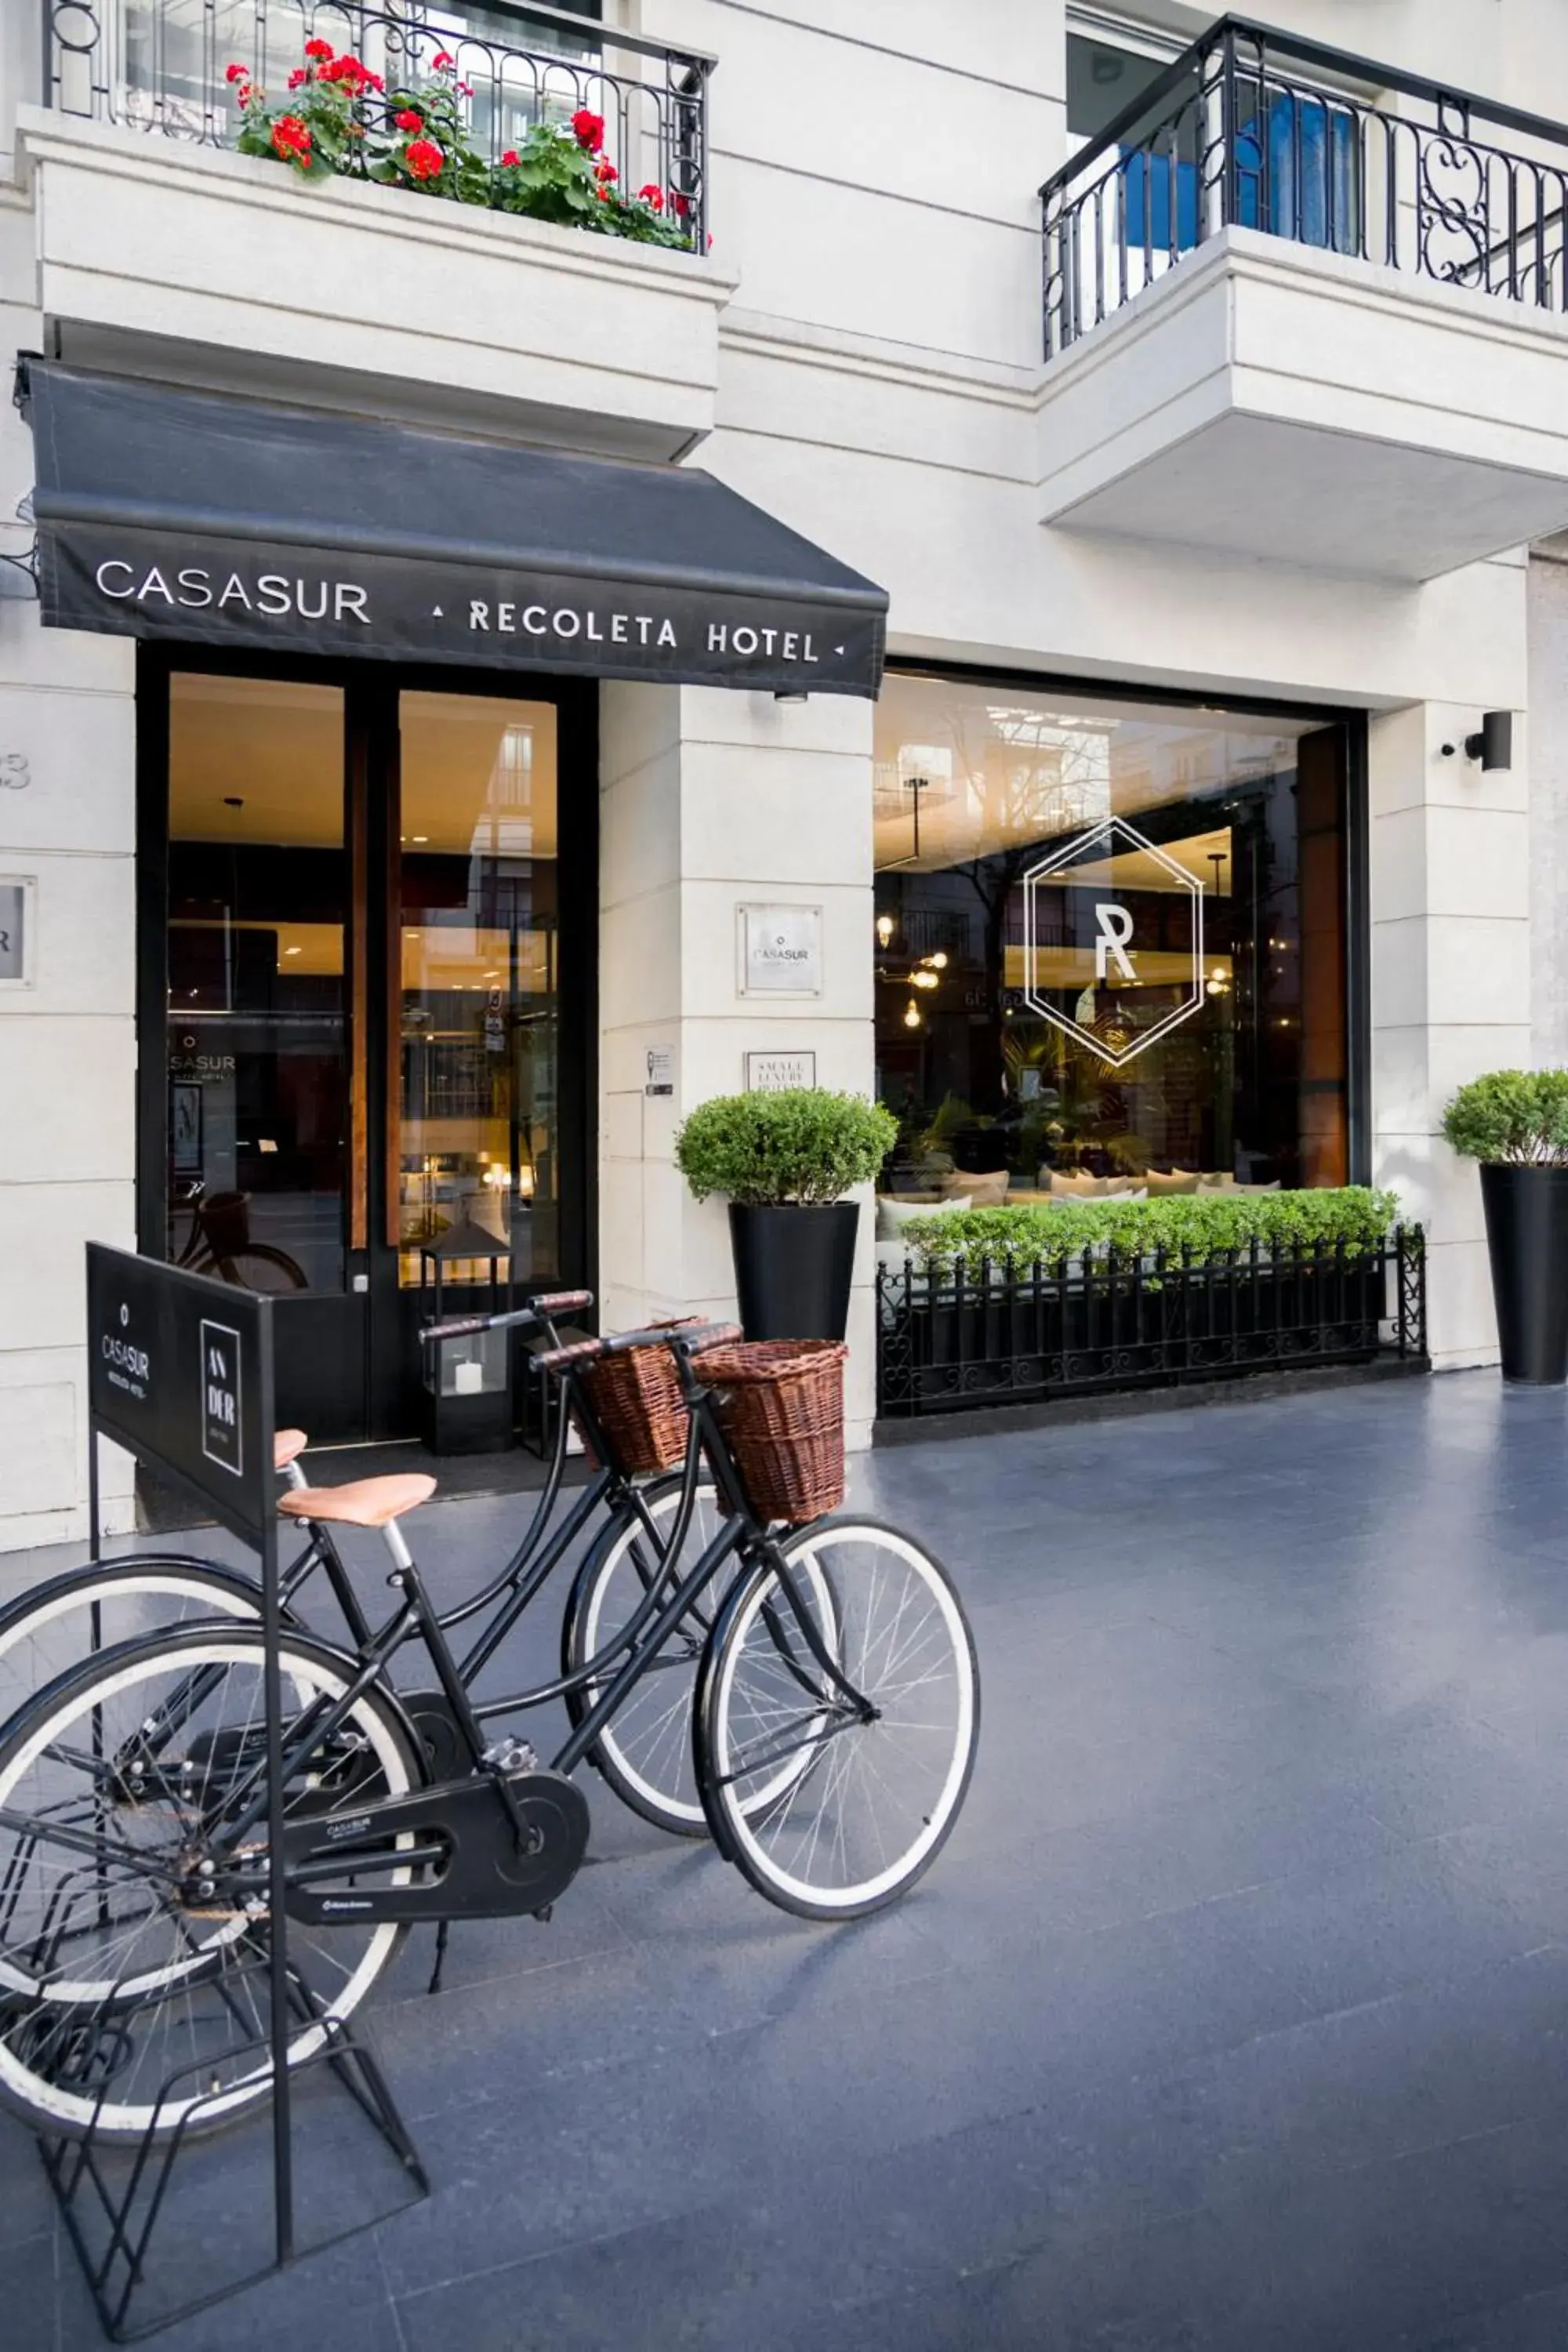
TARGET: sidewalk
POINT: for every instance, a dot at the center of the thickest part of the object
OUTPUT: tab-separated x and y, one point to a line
1233	2017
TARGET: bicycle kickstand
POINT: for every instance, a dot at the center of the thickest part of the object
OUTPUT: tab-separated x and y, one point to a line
442	1936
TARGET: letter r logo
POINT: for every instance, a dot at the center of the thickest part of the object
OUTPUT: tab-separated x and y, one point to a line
1115	930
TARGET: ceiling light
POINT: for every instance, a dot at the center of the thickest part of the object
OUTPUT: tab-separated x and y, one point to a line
421	837
885	928
938	962
291	951
912	1015
923	980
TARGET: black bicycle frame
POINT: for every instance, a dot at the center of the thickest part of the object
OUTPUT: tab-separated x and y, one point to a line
642	1637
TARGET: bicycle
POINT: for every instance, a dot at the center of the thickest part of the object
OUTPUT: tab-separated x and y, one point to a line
219	1244
834	1724
58	1625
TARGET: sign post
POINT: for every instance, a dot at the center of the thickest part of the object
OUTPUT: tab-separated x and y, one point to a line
180	1373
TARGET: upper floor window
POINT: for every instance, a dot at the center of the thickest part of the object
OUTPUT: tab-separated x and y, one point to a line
1103	78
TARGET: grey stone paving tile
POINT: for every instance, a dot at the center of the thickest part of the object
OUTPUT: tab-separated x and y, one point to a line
1350	1934
1537	2323
30	2295
26	2206
1353	2258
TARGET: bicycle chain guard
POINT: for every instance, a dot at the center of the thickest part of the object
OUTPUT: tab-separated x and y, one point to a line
464	1843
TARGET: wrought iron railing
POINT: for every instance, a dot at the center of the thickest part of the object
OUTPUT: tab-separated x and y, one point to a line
161	65
948	1341
1255	128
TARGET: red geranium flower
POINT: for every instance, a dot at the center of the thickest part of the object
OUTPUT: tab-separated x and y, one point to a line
296	76
441	62
424	157
511	156
237	73
652	196
679	204
409	120
317	48
588	129
291	139
604	172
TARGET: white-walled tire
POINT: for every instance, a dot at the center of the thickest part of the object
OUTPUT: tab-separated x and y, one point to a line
59	1626
111	1988
868	1804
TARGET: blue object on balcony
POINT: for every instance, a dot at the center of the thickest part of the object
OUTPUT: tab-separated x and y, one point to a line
1146	179
1310	192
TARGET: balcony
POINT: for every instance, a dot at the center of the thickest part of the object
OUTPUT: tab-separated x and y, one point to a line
1306	308
160	248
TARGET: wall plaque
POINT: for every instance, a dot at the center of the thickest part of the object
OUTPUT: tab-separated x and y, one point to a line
18	898
773	1074
780	950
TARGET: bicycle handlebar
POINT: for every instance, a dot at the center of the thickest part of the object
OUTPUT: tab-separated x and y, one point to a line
685	1338
545	1306
690	1338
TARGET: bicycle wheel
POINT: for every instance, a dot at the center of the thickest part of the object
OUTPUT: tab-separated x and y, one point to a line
874	1791
129	1988
644	1754
59	1626
258	1266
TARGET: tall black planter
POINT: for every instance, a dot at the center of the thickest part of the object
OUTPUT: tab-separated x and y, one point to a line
1526	1237
793	1268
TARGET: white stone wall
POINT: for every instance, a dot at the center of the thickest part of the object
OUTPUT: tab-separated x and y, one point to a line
710	800
68	1043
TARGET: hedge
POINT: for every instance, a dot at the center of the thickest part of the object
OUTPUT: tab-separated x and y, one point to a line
1211	1227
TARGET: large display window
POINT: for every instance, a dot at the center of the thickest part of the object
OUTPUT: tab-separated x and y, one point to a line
1111	941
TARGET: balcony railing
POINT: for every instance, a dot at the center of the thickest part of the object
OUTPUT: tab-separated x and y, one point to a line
161	65
1255	128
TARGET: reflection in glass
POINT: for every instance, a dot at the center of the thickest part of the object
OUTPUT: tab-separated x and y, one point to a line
258	1076
478	969
1109	942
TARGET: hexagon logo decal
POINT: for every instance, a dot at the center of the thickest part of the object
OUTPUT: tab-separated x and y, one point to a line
1082	938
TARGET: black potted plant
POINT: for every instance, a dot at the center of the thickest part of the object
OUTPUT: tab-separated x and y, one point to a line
784	1162
1515	1122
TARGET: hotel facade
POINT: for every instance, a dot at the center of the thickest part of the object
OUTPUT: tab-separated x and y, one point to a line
1089	666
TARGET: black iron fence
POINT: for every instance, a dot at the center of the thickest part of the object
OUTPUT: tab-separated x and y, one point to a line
162	66
953	1339
1255	128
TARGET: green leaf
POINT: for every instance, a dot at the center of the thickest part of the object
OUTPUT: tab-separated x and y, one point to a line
806	1144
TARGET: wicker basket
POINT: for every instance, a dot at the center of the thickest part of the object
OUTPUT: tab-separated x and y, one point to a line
641	1411
781	1405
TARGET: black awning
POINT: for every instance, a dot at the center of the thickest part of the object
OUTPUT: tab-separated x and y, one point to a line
167	513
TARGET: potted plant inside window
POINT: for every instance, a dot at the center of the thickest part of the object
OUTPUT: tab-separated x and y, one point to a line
1515	1122
784	1162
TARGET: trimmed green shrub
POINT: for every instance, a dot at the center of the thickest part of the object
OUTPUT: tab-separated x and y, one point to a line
805	1145
1210	1227
1511	1118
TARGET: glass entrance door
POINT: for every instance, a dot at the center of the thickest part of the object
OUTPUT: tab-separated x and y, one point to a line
366	962
473	1107
258	1041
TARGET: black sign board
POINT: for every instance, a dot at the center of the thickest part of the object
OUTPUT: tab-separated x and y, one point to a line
305	600
180	1373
